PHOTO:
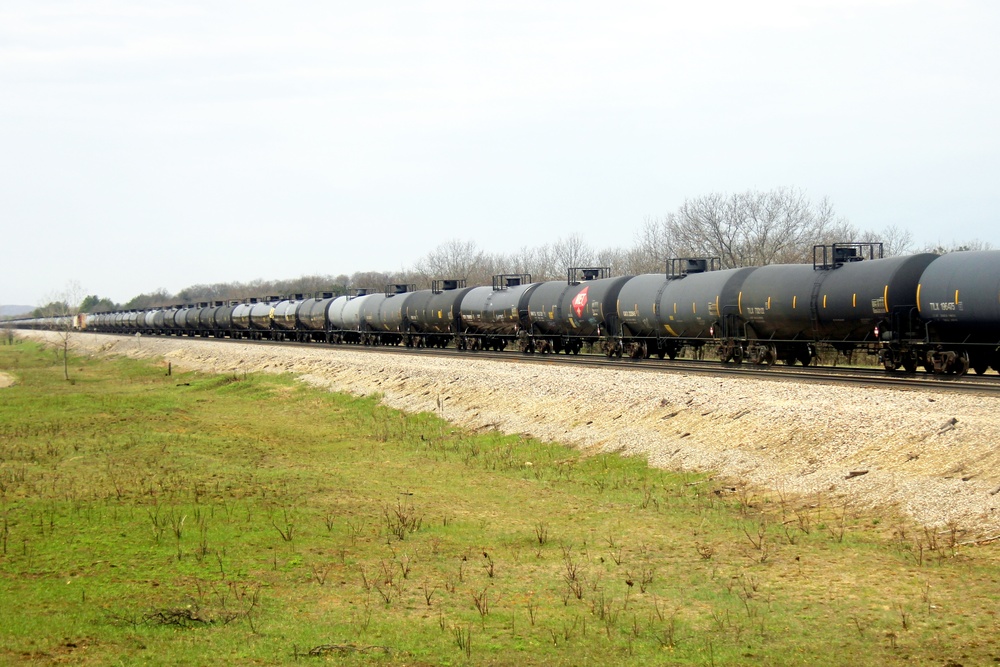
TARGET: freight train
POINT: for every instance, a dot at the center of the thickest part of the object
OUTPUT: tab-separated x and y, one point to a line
939	313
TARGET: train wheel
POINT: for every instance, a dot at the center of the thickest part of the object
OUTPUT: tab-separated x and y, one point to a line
961	366
979	362
889	361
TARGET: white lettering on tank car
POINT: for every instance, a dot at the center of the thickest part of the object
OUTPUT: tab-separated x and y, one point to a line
945	306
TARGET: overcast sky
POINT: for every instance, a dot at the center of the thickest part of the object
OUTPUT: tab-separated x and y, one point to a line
160	144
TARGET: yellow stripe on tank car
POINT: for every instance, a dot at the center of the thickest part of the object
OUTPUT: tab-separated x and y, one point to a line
669	330
716	304
956	297
769	303
739	302
854	300
794	299
824	301
694	308
885	297
918	300
675	308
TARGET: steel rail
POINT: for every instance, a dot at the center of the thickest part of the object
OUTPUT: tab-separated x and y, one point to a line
830	375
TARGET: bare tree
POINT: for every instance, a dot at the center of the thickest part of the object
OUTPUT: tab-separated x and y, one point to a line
456	259
65	313
744	229
539	262
895	241
614	258
944	248
370	279
648	254
572	251
8	333
160	297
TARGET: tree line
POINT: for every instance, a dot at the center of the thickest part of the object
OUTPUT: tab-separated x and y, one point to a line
751	228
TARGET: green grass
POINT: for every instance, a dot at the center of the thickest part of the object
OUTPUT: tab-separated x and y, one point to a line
194	519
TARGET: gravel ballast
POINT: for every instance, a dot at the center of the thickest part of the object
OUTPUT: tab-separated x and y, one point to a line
930	455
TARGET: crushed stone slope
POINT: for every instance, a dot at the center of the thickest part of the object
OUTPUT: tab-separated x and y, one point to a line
931	455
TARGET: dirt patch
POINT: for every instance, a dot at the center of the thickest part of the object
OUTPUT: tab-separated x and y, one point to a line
6	380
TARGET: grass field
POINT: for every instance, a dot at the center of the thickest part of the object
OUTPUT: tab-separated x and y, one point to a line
192	520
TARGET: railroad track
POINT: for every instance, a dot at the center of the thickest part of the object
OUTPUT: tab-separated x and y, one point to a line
986	385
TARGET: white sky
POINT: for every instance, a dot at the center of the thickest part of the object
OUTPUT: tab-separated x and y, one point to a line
166	143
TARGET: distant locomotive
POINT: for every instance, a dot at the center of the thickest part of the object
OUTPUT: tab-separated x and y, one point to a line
940	313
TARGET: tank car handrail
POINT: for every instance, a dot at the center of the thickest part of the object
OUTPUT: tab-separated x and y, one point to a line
680	267
392	289
502	281
836	255
589	273
359	291
447	285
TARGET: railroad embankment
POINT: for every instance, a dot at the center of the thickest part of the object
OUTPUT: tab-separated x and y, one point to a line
929	455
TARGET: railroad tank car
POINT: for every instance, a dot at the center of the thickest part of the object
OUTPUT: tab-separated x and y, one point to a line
958	297
169	316
192	313
222	319
261	317
180	318
840	299
192	321
206	317
345	316
173	321
241	318
493	316
159	315
693	303
313	317
566	314
284	316
383	315
433	316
